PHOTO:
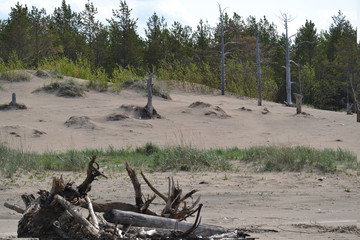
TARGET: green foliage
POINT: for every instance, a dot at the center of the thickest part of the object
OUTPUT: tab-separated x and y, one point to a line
14	62
122	75
77	45
3	67
99	80
81	68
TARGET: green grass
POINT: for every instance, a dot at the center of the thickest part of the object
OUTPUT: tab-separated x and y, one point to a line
15	76
184	158
300	158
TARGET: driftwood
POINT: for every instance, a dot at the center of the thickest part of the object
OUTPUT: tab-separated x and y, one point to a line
174	200
54	215
92	173
104	207
141	220
13	207
42	214
89	227
91	212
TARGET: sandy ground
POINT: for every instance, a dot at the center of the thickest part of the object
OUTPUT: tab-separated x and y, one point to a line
267	205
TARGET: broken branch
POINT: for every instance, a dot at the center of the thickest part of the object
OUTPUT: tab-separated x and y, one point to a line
13	207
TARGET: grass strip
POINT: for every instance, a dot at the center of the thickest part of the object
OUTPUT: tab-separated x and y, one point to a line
151	157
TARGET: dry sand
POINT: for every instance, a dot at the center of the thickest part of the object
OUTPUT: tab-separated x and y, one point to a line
267	205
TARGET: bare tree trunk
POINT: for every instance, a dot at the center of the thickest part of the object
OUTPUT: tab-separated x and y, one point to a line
299	98
222	52
286	19
288	75
258	69
149	106
357	106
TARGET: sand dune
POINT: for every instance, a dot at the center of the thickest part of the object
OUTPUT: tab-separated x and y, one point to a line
245	199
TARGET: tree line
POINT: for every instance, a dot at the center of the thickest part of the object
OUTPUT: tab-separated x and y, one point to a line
325	65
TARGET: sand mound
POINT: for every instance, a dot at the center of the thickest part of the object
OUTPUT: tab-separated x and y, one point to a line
10	106
117	116
304	115
217	112
199	104
207	110
138	112
245	109
81	122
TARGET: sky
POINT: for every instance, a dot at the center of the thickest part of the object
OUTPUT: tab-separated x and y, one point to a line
189	12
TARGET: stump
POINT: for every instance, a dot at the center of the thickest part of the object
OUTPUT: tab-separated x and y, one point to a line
13	100
149	106
299	98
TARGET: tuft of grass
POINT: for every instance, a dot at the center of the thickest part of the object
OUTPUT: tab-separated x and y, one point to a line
151	157
66	88
148	149
15	76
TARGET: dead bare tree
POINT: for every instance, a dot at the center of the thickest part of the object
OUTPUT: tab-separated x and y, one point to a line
286	19
222	50
355	94
258	68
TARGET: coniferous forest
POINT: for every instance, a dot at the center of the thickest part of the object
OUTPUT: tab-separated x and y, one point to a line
325	66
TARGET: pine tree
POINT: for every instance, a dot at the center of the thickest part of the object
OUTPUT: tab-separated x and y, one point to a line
156	41
125	43
16	32
67	23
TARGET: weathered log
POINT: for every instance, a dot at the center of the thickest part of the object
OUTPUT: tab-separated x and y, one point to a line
80	219
142	220
13	207
38	221
91	212
60	232
108	206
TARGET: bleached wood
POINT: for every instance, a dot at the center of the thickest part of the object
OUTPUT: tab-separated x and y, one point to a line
142	220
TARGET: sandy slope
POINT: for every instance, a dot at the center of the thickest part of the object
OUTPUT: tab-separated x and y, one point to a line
246	200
